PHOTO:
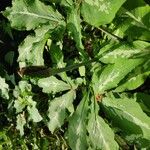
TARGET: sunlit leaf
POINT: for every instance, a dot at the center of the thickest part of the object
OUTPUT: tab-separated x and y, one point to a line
113	74
57	110
132	20
74	27
21	121
100	134
4	88
53	85
113	52
100	12
77	126
23	99
33	112
31	50
128	115
27	15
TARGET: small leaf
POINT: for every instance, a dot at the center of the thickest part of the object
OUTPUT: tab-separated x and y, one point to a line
128	115
21	121
100	12
57	110
24	98
100	134
20	104
57	55
28	15
53	85
33	112
77	126
4	89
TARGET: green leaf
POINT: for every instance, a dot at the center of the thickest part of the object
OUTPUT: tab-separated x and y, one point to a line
67	3
20	104
77	126
128	116
140	16
136	19
53	85
24	99
58	59
135	79
4	89
74	27
100	134
113	52
57	55
23	89
143	98
113	74
133	82
28	15
57	110
33	111
21	121
100	12
31	50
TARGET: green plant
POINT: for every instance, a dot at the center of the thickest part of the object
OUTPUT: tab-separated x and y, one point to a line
84	66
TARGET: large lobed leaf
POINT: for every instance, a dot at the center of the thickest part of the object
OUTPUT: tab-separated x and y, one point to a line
100	12
128	115
30	14
57	110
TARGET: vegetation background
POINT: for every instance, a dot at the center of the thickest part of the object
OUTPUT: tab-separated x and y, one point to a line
75	74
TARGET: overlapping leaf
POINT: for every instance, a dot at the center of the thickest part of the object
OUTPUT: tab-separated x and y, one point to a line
128	115
135	79
113	74
31	50
113	52
4	88
23	98
74	27
57	110
134	19
100	134
77	126
30	14
53	85
100	12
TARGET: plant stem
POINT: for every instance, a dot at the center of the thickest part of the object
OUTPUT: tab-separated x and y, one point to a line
46	72
113	36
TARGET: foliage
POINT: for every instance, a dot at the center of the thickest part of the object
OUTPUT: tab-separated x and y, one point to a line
83	77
